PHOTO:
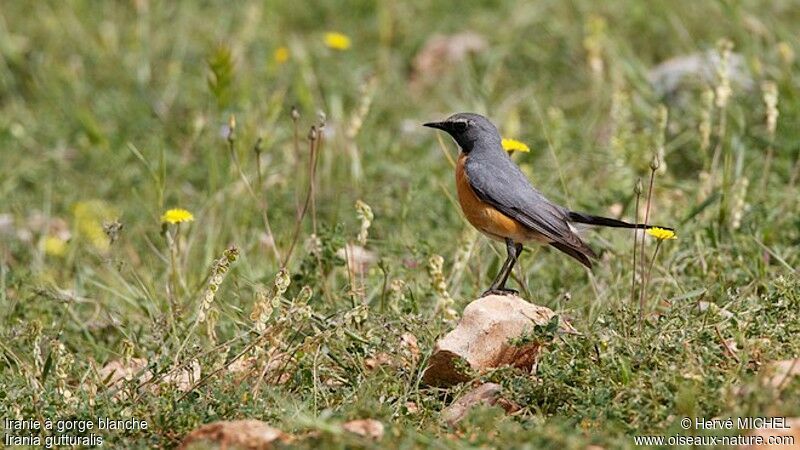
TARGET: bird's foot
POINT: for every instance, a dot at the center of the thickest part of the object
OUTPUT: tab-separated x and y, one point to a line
500	291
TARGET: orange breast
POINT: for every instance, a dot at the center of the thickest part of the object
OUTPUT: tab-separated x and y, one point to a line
484	216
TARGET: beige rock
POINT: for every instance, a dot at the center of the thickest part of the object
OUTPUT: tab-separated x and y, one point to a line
272	367
706	306
358	258
370	428
406	355
780	373
243	366
483	337
6	224
333	382
381	359
442	53
408	343
235	434
409	350
781	439
185	378
486	394
117	371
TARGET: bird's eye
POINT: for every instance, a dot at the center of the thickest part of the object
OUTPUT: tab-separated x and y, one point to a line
460	126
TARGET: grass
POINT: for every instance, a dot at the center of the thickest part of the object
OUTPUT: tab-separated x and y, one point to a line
118	112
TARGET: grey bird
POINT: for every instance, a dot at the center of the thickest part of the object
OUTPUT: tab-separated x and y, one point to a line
500	202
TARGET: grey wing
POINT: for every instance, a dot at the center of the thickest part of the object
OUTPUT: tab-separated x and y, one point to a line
499	182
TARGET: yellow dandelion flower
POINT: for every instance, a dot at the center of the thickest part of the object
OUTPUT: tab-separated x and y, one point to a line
337	41
513	145
281	55
176	215
661	233
55	246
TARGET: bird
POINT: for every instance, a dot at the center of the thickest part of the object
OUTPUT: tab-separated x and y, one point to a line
498	200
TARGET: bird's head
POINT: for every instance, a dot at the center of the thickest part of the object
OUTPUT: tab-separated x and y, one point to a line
467	129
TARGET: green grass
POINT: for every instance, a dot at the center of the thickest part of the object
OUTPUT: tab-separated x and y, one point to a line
118	111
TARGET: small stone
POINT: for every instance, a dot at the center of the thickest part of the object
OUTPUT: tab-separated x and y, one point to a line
409	348
369	428
704	306
273	367
358	258
671	75
777	438
441	53
247	434
616	209
117	371
185	378
483	338
486	394
381	359
778	374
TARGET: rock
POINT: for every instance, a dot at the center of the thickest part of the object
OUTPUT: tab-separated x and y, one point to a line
700	68
485	394
442	53
483	338
776	438
406	355
243	366
381	359
704	306
409	349
779	374
117	371
185	378
239	434
358	258
6	224
369	428
271	367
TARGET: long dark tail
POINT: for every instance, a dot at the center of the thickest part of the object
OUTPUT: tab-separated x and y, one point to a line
608	222
584	255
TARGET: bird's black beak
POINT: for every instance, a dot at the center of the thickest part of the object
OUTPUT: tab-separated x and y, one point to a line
438	125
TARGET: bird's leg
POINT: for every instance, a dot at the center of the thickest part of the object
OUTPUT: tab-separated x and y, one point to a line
516	250
499	284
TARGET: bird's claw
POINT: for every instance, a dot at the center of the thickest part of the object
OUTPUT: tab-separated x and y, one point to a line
500	291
